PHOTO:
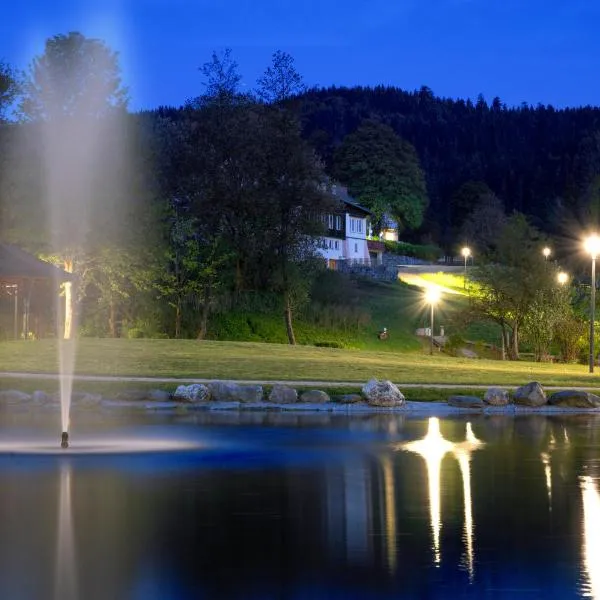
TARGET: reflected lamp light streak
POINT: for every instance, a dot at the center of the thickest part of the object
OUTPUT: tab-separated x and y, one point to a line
432	448
389	489
548	474
65	583
462	451
591	537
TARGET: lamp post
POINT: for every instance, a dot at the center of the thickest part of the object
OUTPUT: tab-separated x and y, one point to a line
432	296
466	252
592	246
562	278
546	252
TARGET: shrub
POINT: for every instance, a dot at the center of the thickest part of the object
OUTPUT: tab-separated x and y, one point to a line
329	344
454	343
424	252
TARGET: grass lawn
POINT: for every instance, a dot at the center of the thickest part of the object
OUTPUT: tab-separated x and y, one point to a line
256	361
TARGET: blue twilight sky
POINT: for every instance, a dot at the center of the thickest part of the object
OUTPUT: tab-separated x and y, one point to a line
520	50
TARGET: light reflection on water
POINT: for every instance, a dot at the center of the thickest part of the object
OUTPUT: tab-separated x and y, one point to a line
258	506
591	537
65	584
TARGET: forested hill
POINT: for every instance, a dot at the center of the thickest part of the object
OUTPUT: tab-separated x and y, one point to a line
539	160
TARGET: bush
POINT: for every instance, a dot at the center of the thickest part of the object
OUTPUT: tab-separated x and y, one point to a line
329	344
424	252
454	343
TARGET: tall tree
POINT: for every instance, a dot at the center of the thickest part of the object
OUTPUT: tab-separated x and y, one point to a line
513	281
293	185
383	172
484	224
75	76
281	81
73	92
9	88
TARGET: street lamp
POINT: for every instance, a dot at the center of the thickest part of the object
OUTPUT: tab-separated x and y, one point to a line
466	252
562	277
546	252
432	296
592	247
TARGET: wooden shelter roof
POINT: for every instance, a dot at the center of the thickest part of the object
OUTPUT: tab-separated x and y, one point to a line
17	264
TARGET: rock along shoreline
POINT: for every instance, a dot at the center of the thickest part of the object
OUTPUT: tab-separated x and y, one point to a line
377	396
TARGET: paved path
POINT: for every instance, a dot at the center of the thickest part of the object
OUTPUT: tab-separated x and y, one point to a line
302	383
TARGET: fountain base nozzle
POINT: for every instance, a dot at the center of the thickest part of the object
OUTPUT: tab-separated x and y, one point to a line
64	439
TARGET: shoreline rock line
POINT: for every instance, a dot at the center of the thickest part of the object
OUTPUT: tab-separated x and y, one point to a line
376	395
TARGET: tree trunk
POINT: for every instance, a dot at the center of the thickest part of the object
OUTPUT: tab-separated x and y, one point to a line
504	341
205	312
513	348
112	319
68	330
178	318
288	318
239	278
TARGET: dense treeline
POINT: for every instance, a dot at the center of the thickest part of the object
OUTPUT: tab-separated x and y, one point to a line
172	217
169	216
540	161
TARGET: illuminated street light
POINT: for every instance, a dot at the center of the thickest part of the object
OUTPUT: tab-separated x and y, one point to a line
432	297
546	252
592	247
562	278
466	252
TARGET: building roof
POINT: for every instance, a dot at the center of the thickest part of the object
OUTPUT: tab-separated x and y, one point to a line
341	192
18	264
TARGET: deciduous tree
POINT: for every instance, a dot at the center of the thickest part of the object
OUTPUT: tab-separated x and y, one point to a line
510	281
383	172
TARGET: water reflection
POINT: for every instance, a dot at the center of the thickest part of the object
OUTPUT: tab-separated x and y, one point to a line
65	583
433	448
336	508
463	451
591	537
389	499
545	456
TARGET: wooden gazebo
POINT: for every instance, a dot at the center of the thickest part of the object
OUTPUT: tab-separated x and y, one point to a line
29	294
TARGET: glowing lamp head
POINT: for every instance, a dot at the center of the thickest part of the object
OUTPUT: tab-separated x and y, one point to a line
466	252
562	278
592	245
546	252
432	295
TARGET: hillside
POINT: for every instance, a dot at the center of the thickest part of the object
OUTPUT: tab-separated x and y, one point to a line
351	318
540	161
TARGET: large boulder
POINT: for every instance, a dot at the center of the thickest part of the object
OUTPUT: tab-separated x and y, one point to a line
531	394
575	399
282	394
465	402
496	397
382	393
314	397
249	393
196	392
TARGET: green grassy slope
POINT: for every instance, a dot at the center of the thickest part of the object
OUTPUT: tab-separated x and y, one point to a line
255	361
393	305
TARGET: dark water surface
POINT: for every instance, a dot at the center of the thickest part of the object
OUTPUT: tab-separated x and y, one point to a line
277	505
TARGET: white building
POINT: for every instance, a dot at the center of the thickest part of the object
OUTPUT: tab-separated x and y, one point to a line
346	235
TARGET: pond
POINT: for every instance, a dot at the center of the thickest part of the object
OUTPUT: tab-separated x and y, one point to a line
264	505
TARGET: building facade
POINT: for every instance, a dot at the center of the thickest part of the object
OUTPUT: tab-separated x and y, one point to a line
345	238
